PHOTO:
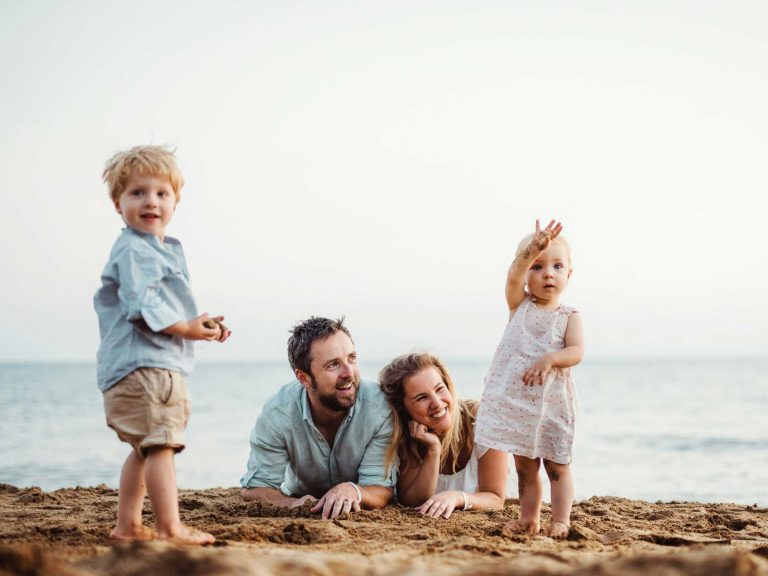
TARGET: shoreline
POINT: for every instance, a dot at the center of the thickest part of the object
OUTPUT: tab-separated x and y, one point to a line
67	532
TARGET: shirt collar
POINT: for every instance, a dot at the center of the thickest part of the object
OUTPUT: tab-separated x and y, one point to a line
151	237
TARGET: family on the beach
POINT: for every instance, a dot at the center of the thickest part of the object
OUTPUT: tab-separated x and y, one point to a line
329	439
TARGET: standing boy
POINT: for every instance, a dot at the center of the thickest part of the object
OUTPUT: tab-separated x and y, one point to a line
148	320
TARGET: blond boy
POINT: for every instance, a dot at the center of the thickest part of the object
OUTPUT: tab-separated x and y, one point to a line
147	321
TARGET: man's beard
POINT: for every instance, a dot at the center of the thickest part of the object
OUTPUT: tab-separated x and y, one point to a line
332	402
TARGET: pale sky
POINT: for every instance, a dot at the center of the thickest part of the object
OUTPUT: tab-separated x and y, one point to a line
381	160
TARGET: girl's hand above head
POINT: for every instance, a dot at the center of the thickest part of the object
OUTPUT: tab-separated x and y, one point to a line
538	372
543	238
424	436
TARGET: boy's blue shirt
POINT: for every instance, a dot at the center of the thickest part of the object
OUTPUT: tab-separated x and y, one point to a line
144	289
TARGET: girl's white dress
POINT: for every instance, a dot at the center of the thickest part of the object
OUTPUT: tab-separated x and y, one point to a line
468	480
532	421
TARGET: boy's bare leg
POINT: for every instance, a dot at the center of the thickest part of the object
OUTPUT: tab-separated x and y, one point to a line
529	487
561	484
160	473
130	501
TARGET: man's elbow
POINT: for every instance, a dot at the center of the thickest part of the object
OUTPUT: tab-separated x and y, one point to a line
250	494
379	498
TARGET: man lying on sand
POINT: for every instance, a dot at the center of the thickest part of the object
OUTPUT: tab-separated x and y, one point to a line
321	438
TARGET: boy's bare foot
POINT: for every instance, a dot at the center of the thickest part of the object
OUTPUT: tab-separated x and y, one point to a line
520	527
559	530
142	533
189	537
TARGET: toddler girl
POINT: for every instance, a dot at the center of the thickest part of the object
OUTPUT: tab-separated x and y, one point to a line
528	405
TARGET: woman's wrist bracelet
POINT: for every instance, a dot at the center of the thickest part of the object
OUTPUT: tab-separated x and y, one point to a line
357	489
467	505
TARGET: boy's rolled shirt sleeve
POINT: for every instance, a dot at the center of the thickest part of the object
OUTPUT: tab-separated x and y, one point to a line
140	292
269	456
371	471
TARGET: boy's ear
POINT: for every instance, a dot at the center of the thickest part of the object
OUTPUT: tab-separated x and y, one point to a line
117	206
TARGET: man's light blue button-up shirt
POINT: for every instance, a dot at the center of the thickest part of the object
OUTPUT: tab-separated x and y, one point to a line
144	289
290	454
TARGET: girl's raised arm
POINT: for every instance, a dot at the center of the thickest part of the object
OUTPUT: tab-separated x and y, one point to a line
536	244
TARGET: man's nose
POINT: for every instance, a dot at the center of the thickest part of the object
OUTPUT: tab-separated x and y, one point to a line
346	370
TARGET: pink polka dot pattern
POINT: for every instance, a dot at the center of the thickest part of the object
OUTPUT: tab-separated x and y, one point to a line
531	421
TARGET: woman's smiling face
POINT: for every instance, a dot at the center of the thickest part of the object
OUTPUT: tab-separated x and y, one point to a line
428	400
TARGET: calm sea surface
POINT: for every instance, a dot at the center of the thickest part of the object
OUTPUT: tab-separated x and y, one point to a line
655	430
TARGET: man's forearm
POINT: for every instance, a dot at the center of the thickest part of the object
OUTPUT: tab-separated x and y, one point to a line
375	496
270	495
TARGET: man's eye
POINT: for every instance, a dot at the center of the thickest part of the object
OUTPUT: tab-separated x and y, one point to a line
353	358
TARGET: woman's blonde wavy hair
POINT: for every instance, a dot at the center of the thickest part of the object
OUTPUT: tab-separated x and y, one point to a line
458	437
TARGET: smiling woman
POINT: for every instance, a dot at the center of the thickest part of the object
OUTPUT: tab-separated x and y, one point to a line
440	468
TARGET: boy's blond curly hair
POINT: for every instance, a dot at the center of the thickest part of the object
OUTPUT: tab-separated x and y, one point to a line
148	160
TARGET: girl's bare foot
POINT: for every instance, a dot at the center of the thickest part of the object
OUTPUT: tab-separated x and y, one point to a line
559	530
189	537
140	532
520	527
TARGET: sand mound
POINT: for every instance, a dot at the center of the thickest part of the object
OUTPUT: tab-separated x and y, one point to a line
66	532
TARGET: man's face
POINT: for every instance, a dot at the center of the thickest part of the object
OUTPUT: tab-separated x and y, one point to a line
335	376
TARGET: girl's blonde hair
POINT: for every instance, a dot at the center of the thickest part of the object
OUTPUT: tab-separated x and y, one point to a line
157	161
458	436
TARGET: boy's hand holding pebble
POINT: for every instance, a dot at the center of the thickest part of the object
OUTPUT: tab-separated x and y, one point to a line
217	323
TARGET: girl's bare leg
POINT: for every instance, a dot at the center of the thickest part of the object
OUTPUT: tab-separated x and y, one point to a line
561	484
529	487
160	473
130	501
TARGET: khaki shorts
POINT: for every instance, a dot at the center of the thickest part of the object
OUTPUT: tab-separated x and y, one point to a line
149	408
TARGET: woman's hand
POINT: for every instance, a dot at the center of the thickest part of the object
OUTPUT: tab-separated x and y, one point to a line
538	372
442	504
424	436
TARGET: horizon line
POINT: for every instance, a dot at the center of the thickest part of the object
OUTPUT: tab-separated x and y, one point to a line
468	359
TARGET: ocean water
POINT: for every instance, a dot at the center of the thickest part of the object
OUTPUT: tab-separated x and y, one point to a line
656	430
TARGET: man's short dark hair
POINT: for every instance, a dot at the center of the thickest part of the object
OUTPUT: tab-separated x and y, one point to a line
306	332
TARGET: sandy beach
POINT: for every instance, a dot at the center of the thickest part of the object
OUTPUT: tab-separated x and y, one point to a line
66	532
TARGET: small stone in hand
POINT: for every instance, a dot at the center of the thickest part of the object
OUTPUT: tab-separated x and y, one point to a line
213	323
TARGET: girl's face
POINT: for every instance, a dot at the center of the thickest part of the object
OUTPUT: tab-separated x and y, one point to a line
428	400
548	275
